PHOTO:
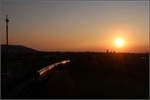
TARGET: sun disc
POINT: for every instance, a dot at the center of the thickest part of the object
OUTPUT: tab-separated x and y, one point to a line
119	42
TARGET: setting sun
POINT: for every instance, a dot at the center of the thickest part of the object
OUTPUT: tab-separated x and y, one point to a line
119	42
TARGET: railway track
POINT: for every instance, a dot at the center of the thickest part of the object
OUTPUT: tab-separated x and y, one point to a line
32	88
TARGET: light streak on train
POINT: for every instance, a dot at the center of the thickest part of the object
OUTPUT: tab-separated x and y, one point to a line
45	72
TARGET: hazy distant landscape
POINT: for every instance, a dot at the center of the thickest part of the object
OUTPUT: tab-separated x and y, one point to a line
88	75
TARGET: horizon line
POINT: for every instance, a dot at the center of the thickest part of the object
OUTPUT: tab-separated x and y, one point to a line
61	51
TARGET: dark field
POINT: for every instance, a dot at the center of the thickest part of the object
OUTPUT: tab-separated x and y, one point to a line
88	75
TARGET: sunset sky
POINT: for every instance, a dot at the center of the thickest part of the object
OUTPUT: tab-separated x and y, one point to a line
64	25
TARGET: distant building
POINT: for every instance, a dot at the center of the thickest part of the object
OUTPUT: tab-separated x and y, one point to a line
107	50
114	52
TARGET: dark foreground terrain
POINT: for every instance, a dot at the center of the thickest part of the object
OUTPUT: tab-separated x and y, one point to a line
88	75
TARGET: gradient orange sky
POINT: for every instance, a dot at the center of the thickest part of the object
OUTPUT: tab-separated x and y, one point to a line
77	25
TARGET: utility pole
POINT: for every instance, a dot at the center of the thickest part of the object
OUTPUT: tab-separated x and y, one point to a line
7	21
6	55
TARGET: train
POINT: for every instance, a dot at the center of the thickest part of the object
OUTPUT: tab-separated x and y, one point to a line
43	73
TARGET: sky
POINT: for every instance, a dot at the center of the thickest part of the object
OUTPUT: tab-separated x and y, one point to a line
81	25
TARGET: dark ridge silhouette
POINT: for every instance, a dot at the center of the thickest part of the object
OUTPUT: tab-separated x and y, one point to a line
16	49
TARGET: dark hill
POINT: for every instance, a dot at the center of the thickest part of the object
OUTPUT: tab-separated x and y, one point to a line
16	49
